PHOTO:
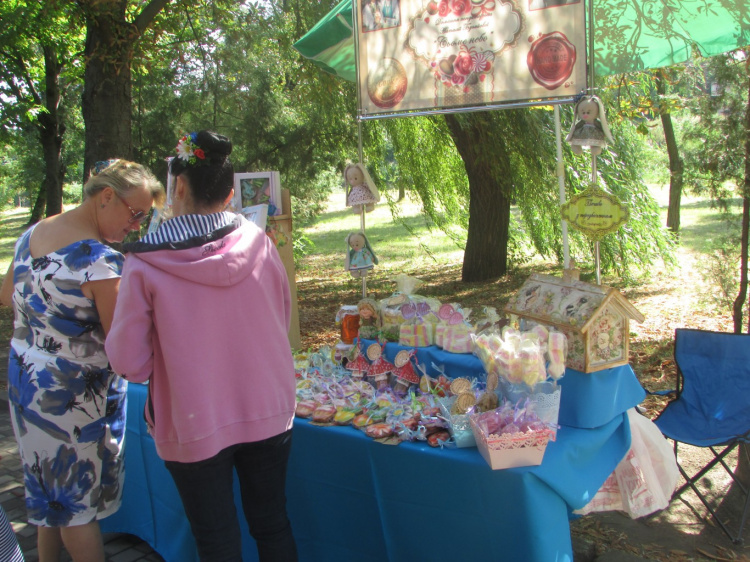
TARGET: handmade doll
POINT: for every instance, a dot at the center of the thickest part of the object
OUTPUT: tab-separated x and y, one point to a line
589	128
360	189
369	318
360	258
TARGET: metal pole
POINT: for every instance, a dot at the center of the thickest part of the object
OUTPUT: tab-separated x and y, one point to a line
591	45
561	185
360	151
515	105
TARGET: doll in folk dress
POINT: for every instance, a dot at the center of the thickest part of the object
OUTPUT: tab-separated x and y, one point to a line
590	129
360	189
360	258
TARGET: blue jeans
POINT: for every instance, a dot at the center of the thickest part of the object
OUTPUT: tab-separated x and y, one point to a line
207	495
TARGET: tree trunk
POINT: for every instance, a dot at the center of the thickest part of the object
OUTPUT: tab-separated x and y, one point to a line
37	211
739	302
490	188
676	165
51	133
107	90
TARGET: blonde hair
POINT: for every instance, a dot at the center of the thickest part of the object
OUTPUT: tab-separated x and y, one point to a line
123	177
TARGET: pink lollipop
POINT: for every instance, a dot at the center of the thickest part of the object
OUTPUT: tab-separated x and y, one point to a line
445	311
456	318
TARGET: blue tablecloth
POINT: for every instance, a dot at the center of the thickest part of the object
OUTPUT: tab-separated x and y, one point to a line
350	497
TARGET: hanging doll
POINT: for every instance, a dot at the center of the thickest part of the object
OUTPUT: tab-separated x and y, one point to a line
360	258
360	189
589	128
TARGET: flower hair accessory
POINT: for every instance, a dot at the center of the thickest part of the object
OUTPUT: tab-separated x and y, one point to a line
189	151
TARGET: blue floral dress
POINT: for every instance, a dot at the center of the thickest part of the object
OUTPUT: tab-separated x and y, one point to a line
67	406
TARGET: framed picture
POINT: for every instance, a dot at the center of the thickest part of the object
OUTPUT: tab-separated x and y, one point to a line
257	188
257	214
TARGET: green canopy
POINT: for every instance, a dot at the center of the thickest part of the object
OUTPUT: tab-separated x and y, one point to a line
629	35
330	44
634	35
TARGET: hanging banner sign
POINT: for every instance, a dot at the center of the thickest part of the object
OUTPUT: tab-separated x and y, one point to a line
595	212
428	54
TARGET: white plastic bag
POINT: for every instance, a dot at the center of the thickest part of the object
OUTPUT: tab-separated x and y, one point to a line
644	480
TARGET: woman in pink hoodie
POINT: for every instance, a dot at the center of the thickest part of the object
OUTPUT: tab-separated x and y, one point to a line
203	315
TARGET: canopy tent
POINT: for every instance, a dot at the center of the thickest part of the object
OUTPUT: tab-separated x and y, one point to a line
629	35
330	44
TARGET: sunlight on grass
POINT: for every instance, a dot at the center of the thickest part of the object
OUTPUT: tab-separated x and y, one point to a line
395	246
13	223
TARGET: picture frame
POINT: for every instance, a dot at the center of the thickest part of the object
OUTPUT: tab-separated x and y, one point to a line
257	214
257	188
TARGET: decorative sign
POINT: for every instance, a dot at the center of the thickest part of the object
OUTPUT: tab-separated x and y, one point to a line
426	54
595	212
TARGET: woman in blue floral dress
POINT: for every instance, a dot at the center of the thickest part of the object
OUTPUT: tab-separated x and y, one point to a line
67	406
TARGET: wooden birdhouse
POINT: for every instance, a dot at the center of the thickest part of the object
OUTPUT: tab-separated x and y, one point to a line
595	318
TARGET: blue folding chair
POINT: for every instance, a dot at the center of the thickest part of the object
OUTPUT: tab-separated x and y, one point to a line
712	405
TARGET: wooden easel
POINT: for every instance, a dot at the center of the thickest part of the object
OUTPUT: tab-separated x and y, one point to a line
283	223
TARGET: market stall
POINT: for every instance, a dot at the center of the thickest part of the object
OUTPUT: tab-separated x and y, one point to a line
350	497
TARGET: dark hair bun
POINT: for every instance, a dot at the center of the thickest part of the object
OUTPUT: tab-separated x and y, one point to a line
214	144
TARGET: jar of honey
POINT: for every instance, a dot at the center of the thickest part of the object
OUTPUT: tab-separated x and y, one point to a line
347	319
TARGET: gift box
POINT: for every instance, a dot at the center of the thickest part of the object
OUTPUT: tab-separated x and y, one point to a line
511	450
419	334
457	338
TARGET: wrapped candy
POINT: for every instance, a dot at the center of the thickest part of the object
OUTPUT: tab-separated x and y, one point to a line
488	322
556	349
458	339
416	335
416	331
449	314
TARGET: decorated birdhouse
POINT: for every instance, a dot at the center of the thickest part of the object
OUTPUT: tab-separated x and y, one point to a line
595	318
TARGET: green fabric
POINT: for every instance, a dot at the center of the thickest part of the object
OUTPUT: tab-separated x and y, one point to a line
330	44
630	35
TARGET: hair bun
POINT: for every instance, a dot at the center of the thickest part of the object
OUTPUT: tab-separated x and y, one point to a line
214	143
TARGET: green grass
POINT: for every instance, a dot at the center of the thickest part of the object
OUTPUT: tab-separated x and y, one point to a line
420	247
394	245
13	223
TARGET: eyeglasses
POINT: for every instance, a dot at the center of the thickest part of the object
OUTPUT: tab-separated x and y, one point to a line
135	216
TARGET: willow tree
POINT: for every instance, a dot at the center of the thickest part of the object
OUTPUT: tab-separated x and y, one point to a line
470	169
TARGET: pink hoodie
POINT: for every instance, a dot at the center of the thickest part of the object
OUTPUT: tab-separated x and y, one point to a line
206	323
